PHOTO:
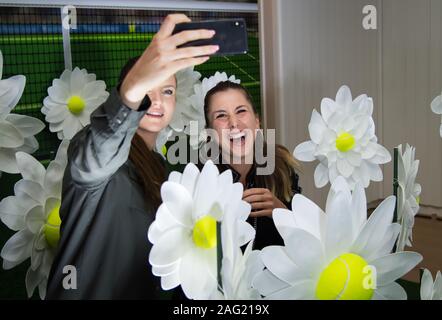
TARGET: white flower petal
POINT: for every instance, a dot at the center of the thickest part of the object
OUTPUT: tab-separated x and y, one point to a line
18	248
267	283
305	251
316	127
279	263
27	126
30	168
12	214
328	107
11	90
170	281
305	151
392	291
321	175
436	105
10	136
375	227
172	245
308	215
197	274
394	266
426	291
300	291
178	201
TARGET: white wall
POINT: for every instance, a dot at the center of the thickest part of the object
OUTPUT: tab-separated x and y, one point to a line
311	47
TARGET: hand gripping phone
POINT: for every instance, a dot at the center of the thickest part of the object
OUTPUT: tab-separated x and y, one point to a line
230	35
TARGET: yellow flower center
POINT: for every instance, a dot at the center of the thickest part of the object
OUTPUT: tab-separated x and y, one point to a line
204	233
52	227
348	277
76	104
345	142
418	200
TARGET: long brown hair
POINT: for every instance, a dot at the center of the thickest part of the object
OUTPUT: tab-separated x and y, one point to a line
148	165
280	182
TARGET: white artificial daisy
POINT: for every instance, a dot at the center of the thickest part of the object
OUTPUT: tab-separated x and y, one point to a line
186	80
183	235
16	131
338	254
34	213
343	140
238	269
436	107
408	194
196	113
72	98
430	290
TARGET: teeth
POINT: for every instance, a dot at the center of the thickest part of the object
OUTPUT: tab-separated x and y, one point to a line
153	113
237	136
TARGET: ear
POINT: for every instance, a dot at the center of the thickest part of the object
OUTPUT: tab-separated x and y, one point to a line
258	123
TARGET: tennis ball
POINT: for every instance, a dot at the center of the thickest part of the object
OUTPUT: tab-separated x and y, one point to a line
76	105
204	233
52	227
343	279
345	142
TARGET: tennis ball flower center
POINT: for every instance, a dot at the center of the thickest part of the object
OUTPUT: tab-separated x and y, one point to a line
348	277
164	150
345	142
204	233
52	227
76	104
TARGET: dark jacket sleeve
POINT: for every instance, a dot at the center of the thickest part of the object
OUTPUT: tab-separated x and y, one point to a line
97	151
103	233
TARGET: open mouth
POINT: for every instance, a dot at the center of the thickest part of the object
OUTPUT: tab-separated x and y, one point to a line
237	139
155	114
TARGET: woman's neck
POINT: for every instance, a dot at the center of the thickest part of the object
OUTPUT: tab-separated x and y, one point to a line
148	137
243	170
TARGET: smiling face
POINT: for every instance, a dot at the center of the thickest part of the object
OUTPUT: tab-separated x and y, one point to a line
232	116
160	112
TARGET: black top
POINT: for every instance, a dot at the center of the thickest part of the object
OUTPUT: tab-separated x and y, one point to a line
104	215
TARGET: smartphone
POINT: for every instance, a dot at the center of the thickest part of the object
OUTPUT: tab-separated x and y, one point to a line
230	35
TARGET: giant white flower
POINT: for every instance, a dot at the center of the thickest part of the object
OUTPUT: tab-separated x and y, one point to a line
196	113
436	107
408	194
238	269
183	235
337	255
186	79
34	213
16	131
430	290
343	140
72	98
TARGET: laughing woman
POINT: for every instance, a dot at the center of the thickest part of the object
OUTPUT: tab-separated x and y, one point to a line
111	187
229	110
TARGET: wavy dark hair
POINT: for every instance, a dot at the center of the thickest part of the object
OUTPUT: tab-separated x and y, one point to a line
280	182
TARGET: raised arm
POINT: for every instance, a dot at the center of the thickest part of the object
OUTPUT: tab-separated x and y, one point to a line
101	148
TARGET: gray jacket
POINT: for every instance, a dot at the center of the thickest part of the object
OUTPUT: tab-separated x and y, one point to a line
104	216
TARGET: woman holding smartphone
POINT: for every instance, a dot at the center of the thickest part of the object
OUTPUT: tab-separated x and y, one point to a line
111	187
228	108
